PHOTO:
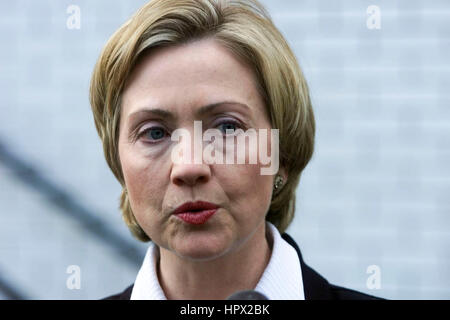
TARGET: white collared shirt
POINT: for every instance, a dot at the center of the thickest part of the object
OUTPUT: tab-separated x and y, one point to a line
281	280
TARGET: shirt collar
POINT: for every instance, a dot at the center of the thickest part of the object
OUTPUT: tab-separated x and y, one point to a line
146	286
281	280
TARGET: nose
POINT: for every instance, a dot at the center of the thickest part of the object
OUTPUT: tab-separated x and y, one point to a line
190	174
192	171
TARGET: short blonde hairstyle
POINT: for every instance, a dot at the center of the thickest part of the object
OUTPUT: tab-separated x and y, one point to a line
246	29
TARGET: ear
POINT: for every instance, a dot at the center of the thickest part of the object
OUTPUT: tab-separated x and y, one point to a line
283	173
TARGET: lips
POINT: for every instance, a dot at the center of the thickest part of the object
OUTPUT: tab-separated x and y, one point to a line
196	212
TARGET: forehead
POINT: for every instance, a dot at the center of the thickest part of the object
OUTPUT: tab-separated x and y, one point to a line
185	77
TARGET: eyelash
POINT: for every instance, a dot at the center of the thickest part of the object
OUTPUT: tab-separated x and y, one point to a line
228	121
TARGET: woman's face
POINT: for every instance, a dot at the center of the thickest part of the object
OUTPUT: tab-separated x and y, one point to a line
179	81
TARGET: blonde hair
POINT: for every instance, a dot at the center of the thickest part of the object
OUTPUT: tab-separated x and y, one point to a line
245	28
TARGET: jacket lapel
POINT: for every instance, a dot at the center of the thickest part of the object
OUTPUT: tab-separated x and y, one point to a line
316	287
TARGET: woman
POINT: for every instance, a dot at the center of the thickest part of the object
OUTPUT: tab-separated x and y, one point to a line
215	228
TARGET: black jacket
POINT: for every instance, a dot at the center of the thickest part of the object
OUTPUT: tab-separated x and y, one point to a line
315	286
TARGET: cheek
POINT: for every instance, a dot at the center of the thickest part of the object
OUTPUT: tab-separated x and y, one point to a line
249	192
143	179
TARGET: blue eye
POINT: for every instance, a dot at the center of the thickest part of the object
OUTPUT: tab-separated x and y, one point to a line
228	125
154	134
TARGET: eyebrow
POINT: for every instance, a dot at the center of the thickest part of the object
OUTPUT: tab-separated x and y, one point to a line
200	112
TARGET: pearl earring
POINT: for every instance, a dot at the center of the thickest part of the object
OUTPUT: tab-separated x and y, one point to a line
278	183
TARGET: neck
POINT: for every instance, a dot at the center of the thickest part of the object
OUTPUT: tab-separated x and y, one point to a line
239	269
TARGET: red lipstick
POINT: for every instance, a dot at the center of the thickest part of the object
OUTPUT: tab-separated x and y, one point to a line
196	212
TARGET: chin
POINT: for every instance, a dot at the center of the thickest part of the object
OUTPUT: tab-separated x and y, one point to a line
201	247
